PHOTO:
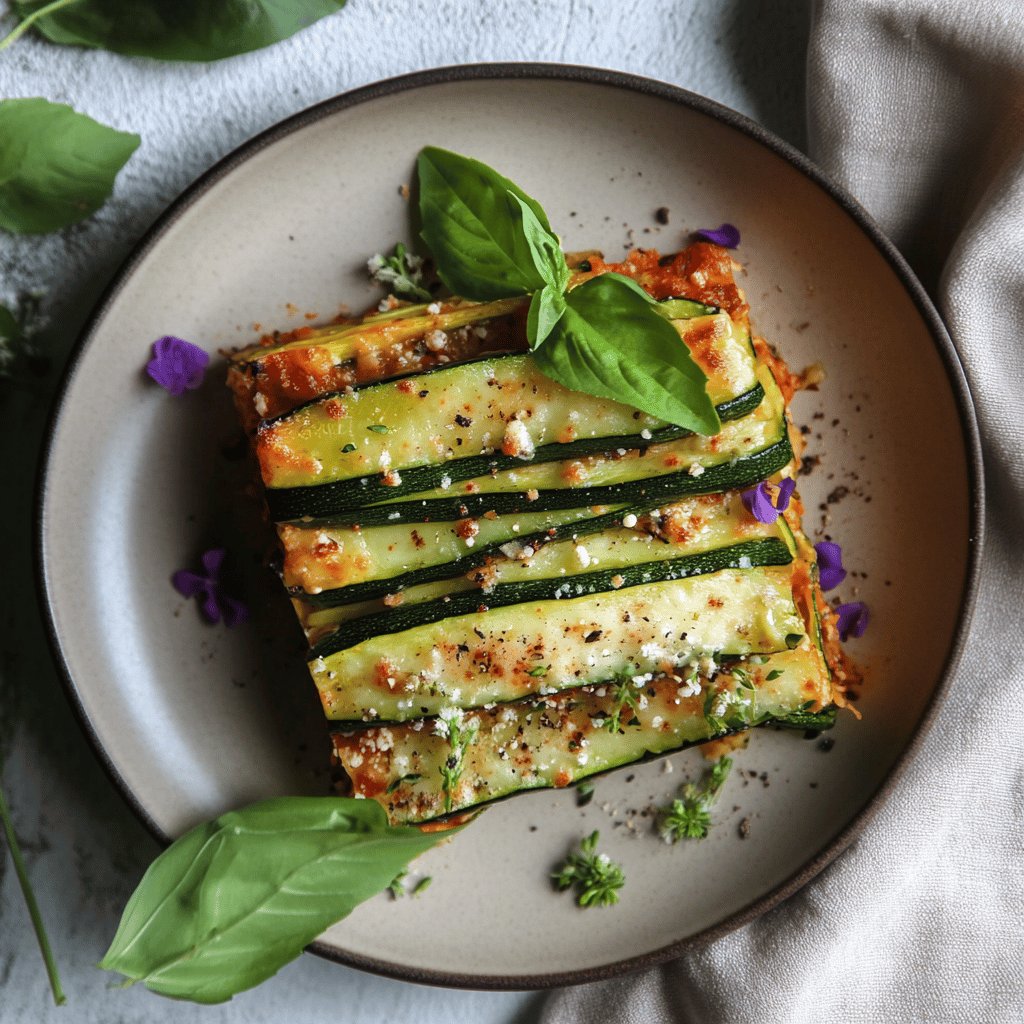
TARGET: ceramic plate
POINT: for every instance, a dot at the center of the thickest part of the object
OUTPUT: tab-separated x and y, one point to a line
193	720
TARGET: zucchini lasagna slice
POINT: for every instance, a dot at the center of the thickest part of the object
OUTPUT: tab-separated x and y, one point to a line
506	585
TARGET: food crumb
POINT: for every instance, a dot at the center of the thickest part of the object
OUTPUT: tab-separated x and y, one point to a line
661	214
744	828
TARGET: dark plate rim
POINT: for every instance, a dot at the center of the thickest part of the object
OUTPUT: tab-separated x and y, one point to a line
732	119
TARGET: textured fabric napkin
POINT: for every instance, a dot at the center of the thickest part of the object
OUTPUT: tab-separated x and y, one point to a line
916	107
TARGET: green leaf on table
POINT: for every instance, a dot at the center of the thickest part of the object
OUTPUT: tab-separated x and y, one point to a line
472	222
177	29
611	342
56	166
231	902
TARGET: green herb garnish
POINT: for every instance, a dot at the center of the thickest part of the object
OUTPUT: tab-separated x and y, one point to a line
584	793
450	724
401	273
397	884
690	816
348	449
605	337
395	783
422	885
596	879
378	428
623	697
774	674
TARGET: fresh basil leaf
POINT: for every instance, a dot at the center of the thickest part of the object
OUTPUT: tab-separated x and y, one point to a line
472	223
231	902
56	166
546	308
611	342
177	29
545	249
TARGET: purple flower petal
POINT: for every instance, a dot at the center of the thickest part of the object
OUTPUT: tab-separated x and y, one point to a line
188	584
830	564
209	606
786	488
759	504
212	561
214	604
177	365
853	619
727	235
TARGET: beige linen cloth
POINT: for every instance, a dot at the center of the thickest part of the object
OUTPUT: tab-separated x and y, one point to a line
917	108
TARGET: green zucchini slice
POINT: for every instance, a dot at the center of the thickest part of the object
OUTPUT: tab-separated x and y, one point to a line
745	451
548	644
418	773
457	422
691	526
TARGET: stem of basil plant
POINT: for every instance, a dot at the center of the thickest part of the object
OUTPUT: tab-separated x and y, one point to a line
30	902
23	26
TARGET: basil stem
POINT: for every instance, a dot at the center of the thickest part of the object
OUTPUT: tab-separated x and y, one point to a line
30	902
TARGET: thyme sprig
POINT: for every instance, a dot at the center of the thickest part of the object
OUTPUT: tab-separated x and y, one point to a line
623	697
596	878
451	724
689	817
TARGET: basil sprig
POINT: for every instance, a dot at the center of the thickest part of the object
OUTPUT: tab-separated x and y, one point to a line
182	30
234	900
56	166
605	337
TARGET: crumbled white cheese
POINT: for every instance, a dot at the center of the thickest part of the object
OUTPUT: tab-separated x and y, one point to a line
645	434
260	403
434	308
629	521
696	469
436	341
517	441
582	556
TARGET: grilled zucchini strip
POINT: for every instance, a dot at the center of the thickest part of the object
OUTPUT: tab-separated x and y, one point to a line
558	740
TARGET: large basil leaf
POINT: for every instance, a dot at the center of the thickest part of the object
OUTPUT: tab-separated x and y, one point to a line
177	29
234	900
611	342
56	166
472	222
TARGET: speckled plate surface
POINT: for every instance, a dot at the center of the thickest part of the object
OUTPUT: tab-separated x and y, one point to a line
193	720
